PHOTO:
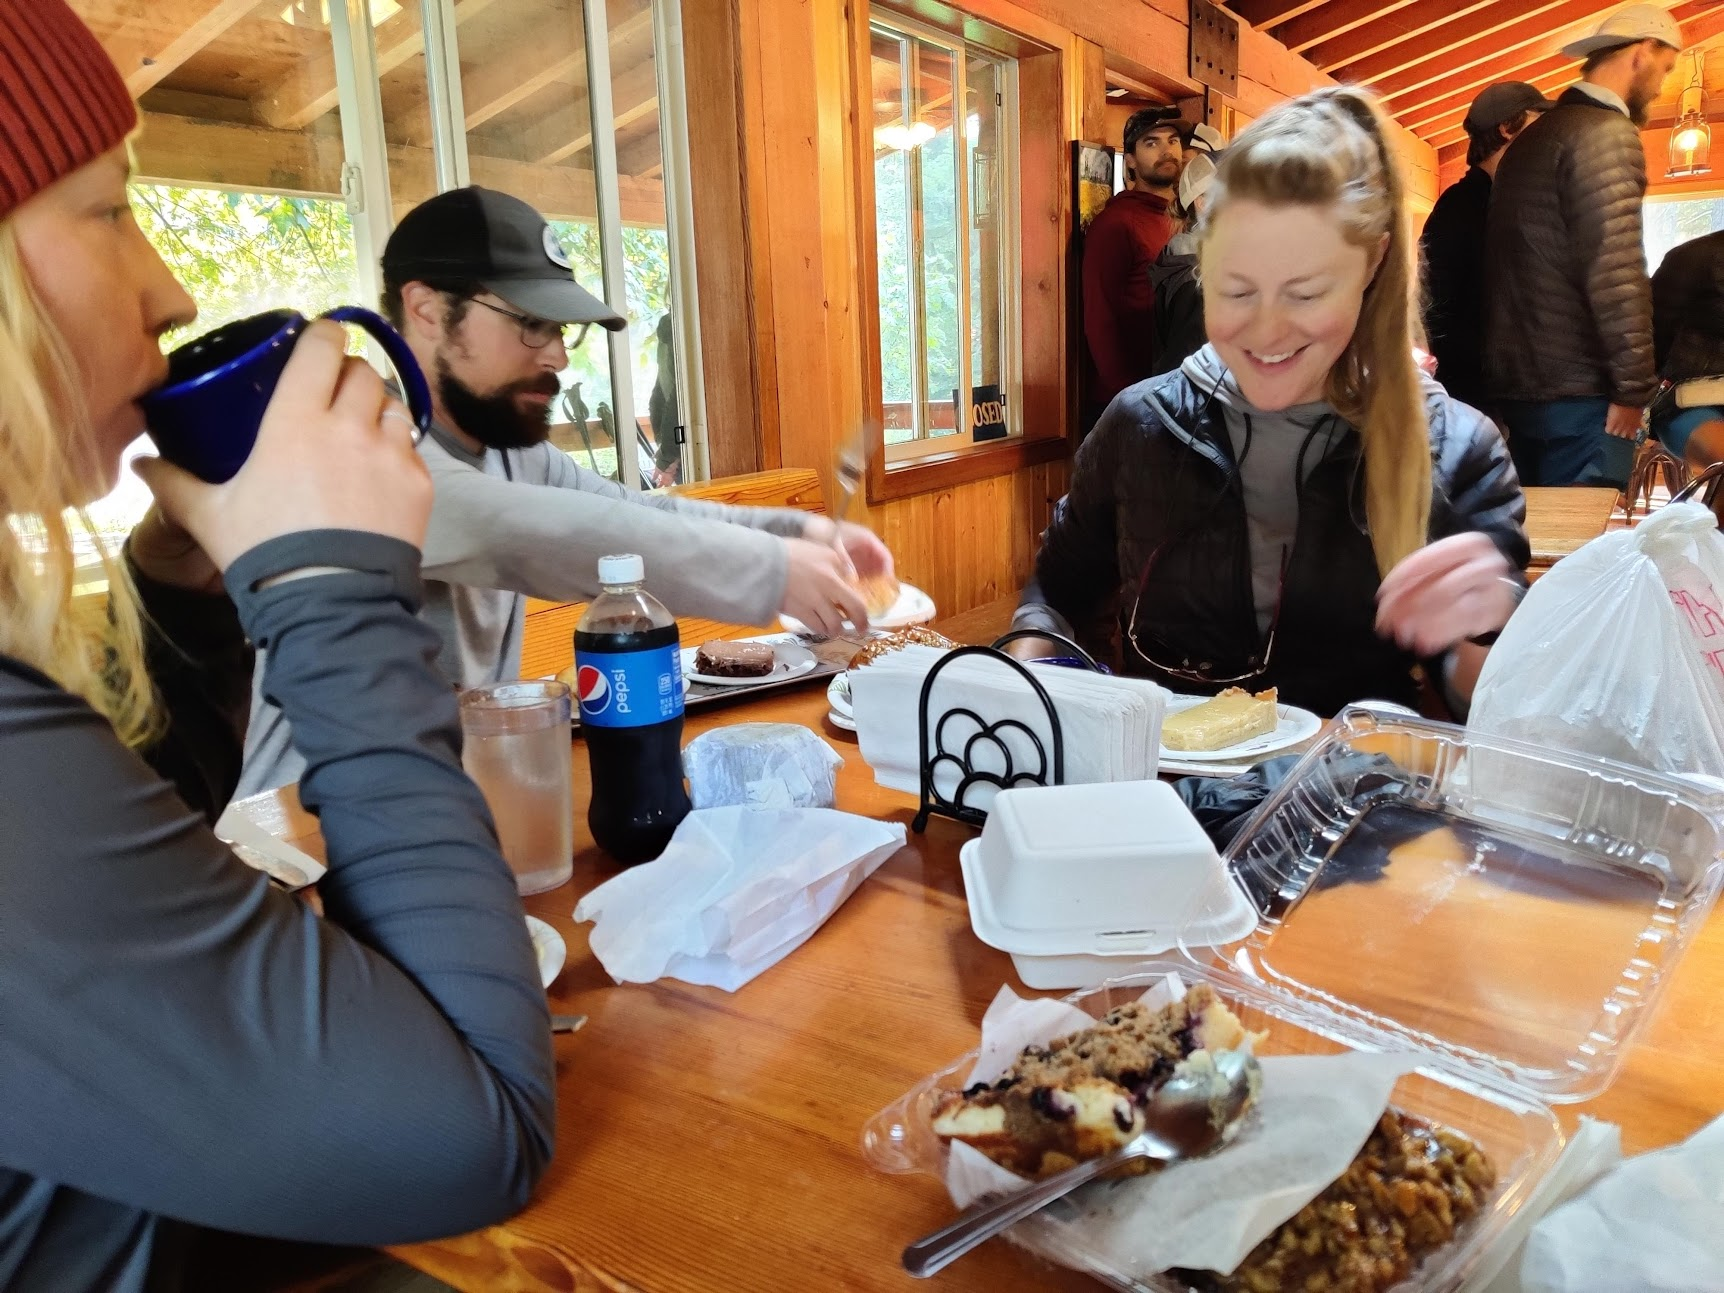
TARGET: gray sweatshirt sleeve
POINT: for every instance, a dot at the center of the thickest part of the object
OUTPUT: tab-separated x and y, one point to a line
546	541
182	1037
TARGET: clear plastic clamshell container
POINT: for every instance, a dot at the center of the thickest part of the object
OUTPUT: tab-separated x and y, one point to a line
1509	912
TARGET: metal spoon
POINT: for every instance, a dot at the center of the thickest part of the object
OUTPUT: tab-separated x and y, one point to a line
1194	1112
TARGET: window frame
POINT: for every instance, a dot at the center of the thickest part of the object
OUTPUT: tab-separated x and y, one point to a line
1036	190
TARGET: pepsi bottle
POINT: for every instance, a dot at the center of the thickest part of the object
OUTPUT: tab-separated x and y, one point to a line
628	679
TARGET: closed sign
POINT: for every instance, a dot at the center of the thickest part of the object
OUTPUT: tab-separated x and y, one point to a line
987	412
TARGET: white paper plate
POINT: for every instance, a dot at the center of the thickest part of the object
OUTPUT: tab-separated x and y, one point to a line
1296	725
843	722
838	696
912	607
549	948
790	660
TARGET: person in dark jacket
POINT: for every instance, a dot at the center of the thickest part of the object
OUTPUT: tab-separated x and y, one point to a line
1688	338
1453	240
1121	245
1178	298
1296	506
186	1047
1568	332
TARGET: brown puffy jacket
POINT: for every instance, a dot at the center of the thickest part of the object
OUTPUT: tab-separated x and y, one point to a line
1568	302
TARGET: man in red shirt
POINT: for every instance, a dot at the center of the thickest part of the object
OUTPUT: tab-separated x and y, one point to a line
1121	245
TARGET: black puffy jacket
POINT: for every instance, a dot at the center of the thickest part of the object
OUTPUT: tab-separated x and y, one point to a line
1156	478
1688	310
1179	327
1569	305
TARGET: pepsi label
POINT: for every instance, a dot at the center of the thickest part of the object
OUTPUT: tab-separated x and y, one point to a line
629	688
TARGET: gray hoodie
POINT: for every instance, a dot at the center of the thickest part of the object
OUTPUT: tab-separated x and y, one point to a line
1268	448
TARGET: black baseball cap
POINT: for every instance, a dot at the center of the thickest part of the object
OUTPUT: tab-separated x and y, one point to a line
1144	120
499	242
1503	102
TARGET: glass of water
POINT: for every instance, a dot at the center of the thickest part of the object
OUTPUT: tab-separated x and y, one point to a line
515	745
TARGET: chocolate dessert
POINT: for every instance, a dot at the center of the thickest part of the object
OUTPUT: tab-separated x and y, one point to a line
734	659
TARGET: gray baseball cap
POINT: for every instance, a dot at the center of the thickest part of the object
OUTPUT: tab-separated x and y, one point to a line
1502	102
499	242
1628	25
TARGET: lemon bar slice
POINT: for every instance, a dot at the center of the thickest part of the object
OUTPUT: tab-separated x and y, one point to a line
1224	720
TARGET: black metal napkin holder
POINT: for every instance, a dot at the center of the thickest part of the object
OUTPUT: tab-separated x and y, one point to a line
932	736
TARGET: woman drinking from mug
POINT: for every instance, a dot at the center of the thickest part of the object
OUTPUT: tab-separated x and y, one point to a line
1296	506
181	1044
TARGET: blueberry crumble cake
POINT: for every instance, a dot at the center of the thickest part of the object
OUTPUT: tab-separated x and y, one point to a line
1082	1096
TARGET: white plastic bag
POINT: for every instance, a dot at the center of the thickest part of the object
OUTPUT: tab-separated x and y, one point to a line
1618	652
736	891
770	765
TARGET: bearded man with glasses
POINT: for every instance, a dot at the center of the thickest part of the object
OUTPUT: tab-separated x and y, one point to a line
480	287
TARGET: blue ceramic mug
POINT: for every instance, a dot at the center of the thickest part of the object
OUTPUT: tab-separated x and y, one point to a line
205	418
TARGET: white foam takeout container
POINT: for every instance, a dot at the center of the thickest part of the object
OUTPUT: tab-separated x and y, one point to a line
1078	883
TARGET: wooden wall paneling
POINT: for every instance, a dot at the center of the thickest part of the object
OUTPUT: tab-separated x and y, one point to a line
713	72
1045	223
753	61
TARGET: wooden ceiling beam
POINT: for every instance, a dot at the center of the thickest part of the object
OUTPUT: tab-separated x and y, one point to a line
634	96
149	39
1525	40
255	159
1264	14
1333	19
1411	93
309	91
504	83
1421	31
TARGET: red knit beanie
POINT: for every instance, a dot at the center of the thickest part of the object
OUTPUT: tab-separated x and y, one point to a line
62	102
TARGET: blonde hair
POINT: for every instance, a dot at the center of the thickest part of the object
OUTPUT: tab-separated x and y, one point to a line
1331	148
44	427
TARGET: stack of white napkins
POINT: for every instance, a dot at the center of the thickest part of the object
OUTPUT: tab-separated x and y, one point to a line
1110	727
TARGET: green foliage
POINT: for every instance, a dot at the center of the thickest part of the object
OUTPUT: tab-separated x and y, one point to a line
238	253
646	281
942	325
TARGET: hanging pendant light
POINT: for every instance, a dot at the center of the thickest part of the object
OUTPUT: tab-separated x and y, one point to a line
1691	137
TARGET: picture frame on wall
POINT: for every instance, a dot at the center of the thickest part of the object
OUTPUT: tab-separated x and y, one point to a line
1092	180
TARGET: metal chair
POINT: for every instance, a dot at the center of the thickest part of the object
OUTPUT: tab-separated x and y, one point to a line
1653	460
1704	489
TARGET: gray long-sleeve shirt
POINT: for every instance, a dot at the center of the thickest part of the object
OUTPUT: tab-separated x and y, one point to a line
518	523
180	1042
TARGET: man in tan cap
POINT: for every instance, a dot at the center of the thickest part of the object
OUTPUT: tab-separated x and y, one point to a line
1568	333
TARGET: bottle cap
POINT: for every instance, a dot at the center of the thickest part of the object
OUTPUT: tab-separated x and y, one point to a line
626	568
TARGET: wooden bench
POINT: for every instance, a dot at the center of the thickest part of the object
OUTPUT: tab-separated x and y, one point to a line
548	640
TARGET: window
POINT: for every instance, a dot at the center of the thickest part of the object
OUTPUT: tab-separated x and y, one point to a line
945	237
264	137
1669	222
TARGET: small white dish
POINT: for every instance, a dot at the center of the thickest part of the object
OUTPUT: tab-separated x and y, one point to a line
912	607
843	722
790	660
549	948
1296	725
838	696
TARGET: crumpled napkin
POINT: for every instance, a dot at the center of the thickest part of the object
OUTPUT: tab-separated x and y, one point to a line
774	765
1594	1149
1207	1214
1654	1225
735	892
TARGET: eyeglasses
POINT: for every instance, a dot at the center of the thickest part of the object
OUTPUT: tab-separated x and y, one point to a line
1204	671
536	334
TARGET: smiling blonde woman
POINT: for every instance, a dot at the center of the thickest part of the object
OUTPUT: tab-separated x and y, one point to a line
1296	506
183	1046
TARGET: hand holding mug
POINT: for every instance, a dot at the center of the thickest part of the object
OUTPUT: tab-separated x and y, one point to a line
334	451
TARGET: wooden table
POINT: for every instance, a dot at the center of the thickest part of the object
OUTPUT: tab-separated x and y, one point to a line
1560	519
709	1141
